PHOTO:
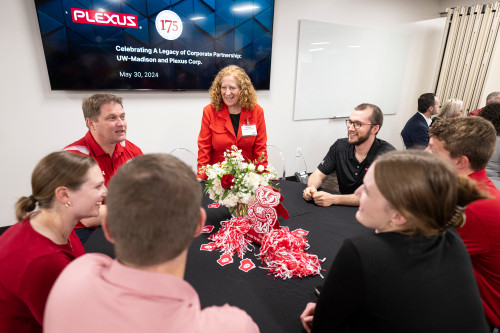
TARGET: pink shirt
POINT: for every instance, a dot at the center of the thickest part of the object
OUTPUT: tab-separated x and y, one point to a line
117	298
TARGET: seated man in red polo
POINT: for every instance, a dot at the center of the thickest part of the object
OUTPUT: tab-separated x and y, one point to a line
468	144
105	142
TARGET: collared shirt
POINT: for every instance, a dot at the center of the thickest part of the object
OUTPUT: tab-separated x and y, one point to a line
481	235
87	146
427	120
118	298
217	135
341	158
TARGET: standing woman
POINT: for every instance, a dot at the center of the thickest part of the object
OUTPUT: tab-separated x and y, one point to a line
67	188
233	117
413	274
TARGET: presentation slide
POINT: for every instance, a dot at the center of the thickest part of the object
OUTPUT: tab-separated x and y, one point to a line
145	44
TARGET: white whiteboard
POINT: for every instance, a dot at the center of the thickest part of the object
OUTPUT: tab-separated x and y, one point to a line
340	67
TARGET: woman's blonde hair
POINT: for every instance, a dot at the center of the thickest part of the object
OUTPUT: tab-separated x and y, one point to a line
451	108
248	96
425	189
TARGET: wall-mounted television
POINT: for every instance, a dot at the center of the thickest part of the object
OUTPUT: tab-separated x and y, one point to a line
154	44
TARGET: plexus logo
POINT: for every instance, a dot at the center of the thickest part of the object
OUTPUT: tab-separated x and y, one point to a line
89	16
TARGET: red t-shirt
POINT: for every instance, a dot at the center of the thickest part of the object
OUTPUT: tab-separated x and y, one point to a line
29	265
481	235
87	146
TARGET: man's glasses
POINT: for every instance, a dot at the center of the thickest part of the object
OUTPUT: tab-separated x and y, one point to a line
356	124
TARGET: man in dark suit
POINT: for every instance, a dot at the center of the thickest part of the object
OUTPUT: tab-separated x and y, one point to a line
415	133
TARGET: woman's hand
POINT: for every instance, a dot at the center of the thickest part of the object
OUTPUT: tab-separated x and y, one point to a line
307	316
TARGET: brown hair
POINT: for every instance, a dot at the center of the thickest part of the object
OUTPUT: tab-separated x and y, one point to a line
153	209
60	168
377	117
425	189
91	106
474	137
491	112
248	96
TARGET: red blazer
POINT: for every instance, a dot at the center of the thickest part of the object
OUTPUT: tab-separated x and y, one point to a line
217	135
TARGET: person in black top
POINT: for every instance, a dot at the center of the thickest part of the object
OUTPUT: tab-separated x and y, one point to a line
413	274
349	158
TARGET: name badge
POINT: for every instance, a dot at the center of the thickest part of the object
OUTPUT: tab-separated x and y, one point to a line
248	130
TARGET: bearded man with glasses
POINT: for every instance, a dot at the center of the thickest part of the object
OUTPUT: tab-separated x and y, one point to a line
350	158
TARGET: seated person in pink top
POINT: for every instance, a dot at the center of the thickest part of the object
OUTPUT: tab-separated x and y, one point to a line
65	188
154	211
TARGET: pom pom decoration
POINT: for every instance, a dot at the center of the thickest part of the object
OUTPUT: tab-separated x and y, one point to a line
231	236
281	250
284	254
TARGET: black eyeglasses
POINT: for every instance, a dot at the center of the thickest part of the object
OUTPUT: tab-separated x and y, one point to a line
356	124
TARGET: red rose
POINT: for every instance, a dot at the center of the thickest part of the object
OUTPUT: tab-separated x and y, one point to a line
227	181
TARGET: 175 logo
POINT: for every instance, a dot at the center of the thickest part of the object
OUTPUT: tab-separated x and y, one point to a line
168	24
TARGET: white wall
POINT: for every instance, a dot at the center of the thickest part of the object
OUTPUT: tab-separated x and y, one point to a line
36	121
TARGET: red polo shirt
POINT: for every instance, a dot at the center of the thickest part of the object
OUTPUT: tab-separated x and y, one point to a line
87	146
481	235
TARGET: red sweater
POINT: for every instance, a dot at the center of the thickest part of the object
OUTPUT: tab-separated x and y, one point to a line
29	266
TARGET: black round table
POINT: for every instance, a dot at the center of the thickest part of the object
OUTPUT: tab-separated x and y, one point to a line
274	304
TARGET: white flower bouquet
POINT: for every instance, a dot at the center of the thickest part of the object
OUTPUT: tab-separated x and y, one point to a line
233	182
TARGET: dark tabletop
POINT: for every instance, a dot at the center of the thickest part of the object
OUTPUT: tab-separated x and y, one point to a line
274	304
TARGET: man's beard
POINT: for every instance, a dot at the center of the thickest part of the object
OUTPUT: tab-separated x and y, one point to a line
360	140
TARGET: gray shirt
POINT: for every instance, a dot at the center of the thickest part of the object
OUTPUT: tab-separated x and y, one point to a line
493	167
